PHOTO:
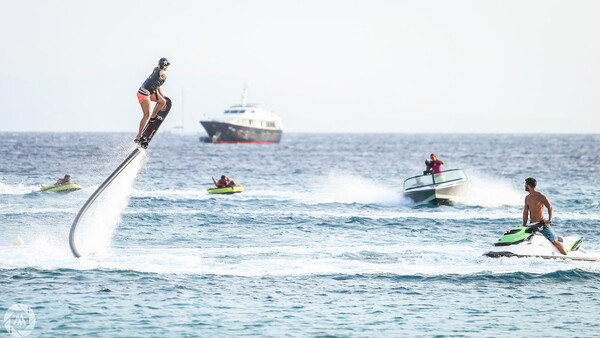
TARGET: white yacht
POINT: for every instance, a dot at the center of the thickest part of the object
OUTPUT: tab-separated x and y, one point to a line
244	123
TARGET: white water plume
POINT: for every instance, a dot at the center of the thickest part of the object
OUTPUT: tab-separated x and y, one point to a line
94	232
20	189
346	188
488	191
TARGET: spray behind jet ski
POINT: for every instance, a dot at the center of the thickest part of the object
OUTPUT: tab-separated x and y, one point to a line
529	242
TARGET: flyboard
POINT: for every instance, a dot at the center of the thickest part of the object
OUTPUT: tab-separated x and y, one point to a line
148	134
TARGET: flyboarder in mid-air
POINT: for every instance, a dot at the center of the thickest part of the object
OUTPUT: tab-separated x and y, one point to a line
151	91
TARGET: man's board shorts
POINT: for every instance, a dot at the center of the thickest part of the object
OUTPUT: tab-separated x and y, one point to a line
548	233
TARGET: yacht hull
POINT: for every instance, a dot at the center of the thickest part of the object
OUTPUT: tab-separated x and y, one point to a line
223	132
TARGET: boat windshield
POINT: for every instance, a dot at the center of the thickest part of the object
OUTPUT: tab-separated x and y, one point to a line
425	180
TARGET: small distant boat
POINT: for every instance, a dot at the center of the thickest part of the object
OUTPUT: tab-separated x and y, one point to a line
227	190
440	188
61	188
243	124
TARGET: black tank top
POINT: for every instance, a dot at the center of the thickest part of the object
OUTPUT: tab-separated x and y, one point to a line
153	81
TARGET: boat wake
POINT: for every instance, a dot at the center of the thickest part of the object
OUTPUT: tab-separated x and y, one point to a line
492	192
432	260
345	188
6	189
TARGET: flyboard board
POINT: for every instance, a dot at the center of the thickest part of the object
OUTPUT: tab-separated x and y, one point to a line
148	134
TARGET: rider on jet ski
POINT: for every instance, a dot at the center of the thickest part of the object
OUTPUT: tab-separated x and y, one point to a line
534	209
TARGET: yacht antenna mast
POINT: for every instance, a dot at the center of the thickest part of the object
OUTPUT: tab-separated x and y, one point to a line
244	94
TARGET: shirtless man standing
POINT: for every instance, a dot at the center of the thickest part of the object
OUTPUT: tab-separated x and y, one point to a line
534	208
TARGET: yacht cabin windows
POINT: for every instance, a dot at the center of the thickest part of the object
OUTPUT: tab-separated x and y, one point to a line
256	123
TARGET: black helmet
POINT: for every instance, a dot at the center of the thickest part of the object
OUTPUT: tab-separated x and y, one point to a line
164	62
222	177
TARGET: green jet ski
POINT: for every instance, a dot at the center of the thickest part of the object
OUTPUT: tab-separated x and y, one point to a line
529	242
61	188
226	190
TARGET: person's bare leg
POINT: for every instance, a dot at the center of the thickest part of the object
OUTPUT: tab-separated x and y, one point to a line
160	102
146	110
560	247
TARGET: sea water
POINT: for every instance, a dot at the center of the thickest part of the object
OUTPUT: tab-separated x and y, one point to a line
321	243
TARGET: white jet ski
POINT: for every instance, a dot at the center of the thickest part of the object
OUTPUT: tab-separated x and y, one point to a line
528	242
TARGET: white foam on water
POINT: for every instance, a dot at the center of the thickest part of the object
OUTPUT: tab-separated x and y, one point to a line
96	228
492	192
422	260
19	189
172	194
340	187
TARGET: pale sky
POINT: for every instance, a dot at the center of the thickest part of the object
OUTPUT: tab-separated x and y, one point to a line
322	66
